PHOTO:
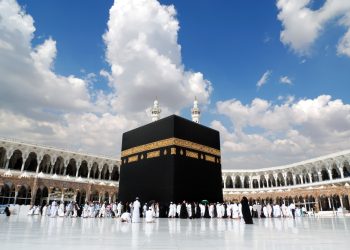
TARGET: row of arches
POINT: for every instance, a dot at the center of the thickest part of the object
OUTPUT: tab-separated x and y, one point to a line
31	164
44	196
288	179
312	203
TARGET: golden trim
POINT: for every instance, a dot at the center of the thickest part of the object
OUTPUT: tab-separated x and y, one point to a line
173	151
210	158
153	154
191	154
170	142
133	158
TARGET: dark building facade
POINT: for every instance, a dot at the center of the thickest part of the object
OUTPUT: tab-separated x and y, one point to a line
172	159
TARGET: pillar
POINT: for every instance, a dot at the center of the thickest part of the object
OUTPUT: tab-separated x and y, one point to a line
310	177
224	180
341	172
330	174
319	176
23	163
7	163
294	178
88	176
302	179
341	200
329	202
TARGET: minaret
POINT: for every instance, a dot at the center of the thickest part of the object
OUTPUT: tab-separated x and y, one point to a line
155	111
196	113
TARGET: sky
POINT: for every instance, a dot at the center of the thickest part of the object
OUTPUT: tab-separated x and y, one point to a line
271	76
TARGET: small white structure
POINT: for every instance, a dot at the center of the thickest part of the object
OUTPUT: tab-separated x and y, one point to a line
195	111
155	111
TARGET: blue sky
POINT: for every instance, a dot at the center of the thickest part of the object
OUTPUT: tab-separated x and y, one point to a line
232	44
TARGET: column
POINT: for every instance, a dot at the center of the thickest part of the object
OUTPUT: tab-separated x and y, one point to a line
88	176
310	177
78	164
15	200
284	175
24	161
319	176
38	165
53	166
330	174
63	191
302	179
294	178
329	202
341	200
7	163
224	180
259	183
341	172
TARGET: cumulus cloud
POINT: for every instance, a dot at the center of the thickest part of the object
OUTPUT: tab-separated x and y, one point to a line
145	58
264	78
303	25
285	80
39	105
282	133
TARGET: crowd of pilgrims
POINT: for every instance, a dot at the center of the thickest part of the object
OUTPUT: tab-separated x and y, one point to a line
133	211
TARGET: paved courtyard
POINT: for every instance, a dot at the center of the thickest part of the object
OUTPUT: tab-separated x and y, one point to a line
76	233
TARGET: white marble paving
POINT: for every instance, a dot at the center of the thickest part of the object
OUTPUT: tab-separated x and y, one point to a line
76	233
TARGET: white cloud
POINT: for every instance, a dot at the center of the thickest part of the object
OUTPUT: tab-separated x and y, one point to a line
37	104
282	133
302	25
264	78
285	80
145	58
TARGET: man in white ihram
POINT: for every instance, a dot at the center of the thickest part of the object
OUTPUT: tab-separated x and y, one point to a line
136	211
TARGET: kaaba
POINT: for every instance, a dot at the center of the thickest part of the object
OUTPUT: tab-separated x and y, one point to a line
172	159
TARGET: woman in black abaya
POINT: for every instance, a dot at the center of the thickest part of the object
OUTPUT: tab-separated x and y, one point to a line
246	211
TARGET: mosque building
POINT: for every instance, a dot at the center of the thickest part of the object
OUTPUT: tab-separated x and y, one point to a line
37	174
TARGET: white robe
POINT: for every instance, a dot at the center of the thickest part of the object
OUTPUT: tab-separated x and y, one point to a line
31	211
60	211
136	212
265	212
53	210
37	210
125	217
235	211
172	210
149	216
44	211
178	210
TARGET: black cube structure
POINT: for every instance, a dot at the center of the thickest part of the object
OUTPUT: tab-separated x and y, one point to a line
172	159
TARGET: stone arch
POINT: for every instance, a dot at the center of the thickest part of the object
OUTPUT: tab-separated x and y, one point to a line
335	171
324	174
16	160
305	176
3	157
289	179
238	182
45	164
246	183
255	183
280	180
83	169
346	169
106	197
297	179
314	175
41	197
94	172
105	172
263	181
24	195
71	169
272	181
95	196
56	194
31	162
58	167
7	194
68	194
229	182
81	197
115	174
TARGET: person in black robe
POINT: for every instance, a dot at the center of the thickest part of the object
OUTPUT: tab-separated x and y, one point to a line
215	212
183	211
225	213
246	211
198	211
193	211
206	212
7	211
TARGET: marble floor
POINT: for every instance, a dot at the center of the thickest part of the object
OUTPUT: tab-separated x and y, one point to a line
76	233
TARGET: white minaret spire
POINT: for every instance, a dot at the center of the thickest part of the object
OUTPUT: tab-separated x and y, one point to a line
155	111
196	113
